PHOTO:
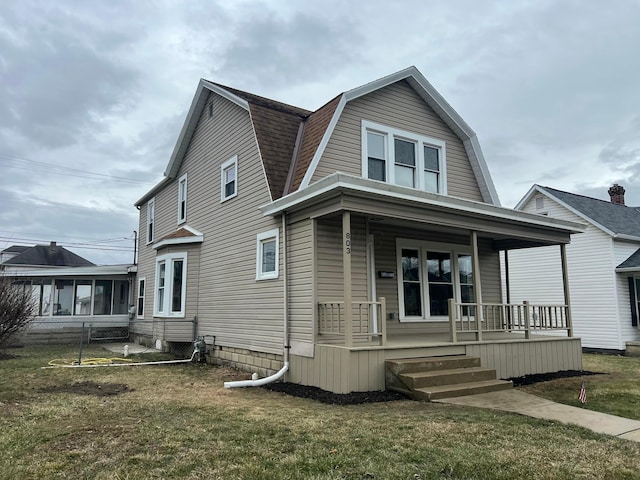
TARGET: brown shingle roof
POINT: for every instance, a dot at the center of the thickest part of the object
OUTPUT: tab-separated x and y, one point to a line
276	125
179	233
314	129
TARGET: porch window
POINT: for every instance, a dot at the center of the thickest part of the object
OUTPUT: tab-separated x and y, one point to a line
182	199
63	297
83	297
229	176
267	252
171	285
432	273
416	161
103	297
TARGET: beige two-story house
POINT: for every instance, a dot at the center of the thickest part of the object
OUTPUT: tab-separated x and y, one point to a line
325	244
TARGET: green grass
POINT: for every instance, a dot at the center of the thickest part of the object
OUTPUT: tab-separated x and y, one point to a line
616	391
178	422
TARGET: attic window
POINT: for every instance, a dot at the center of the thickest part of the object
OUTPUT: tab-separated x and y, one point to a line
539	203
403	158
210	108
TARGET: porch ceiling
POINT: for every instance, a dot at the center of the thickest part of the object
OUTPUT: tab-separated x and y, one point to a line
403	207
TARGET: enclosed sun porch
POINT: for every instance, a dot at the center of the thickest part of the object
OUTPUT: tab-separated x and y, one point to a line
398	276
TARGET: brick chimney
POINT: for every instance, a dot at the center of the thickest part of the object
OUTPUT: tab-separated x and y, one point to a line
616	192
52	248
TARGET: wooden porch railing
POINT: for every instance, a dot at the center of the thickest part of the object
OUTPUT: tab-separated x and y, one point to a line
507	317
367	321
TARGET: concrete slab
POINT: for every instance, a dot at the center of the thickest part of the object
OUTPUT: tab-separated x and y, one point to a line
523	403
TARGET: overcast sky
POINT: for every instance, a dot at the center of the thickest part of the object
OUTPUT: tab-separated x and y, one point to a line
93	93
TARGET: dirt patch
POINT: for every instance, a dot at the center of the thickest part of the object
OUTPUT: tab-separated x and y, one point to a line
323	396
89	388
545	377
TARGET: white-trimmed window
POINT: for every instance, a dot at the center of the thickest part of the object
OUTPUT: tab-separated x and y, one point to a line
267	253
182	199
151	207
429	274
229	179
171	285
142	283
403	158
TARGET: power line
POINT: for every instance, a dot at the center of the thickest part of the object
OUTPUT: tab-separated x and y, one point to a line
64	170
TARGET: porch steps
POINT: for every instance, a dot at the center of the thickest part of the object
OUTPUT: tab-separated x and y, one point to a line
434	378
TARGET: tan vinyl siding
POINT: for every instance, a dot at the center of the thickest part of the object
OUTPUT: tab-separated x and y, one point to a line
240	311
300	278
330	277
397	106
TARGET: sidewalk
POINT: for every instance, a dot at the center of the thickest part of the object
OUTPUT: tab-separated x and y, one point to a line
517	401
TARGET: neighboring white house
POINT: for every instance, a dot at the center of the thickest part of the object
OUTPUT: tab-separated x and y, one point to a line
603	266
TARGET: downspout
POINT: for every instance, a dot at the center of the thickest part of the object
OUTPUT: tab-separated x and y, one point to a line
280	373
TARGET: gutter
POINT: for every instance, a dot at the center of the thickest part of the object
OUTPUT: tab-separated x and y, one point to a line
256	382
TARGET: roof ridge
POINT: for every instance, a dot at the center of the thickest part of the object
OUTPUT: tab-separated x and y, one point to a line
266	102
608	202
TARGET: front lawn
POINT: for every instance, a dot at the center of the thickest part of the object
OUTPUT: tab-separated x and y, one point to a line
177	421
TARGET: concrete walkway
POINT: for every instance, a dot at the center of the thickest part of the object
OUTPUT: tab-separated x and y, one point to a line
517	401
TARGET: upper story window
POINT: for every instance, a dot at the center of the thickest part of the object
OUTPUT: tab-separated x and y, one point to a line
182	199
403	158
150	219
229	179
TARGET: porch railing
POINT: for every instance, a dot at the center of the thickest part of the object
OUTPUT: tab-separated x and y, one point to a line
523	317
367	322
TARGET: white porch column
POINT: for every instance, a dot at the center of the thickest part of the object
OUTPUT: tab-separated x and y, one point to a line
565	287
477	288
346	262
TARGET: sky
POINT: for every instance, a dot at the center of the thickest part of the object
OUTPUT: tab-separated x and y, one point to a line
93	93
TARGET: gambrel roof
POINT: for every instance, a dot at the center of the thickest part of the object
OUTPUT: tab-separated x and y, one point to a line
291	140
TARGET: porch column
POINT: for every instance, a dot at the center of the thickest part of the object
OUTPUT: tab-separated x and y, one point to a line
506	275
477	288
346	263
565	287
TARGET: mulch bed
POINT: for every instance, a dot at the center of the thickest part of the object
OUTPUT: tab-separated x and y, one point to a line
354	398
322	396
545	377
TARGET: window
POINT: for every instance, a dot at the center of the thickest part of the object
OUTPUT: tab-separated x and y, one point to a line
415	161
431	274
140	303
182	199
171	285
63	297
229	175
267	255
103	297
150	219
83	297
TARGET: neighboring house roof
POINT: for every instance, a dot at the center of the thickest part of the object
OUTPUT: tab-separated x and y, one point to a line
619	221
630	264
48	255
292	140
15	249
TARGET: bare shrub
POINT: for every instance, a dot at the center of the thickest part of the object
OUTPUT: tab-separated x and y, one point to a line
17	309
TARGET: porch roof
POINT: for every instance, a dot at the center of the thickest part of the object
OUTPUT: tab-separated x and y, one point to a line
400	205
93	271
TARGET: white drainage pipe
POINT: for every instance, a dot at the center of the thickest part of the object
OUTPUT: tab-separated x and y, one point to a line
262	381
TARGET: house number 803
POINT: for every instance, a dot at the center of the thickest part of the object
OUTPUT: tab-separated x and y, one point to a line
347	243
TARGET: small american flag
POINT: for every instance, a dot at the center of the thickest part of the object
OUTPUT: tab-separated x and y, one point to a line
583	394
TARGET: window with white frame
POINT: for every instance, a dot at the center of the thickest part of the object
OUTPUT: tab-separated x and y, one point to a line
403	158
429	275
267	254
182	199
171	285
150	219
229	179
140	300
